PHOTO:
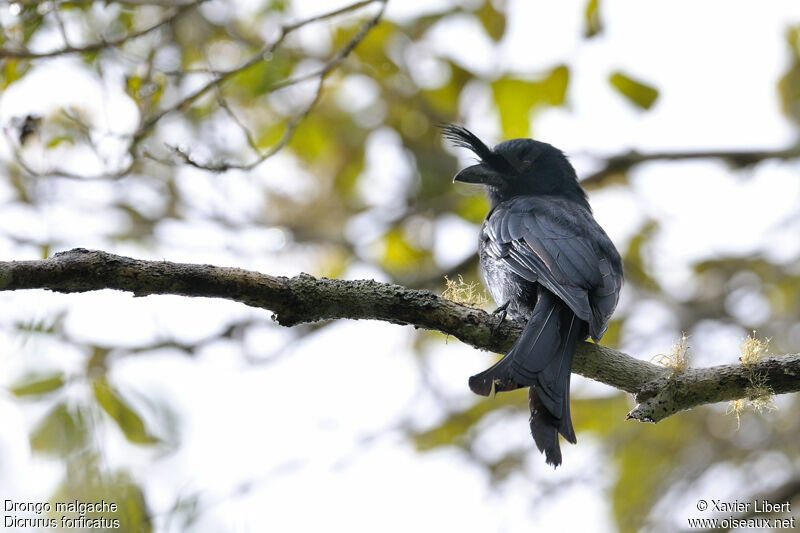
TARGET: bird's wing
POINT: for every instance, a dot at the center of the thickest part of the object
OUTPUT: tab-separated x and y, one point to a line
604	298
541	244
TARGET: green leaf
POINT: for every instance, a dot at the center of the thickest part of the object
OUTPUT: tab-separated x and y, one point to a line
59	139
276	5
592	18
132	85
126	418
644	456
12	70
270	135
789	84
613	335
347	176
515	99
372	50
473	207
492	20
554	86
638	93
31	21
38	384
793	40
456	426
312	141
634	257
90	57
444	99
261	77
399	253
87	481
61	431
644	462
602	416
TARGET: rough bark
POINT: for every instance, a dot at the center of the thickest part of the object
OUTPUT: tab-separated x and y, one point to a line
658	391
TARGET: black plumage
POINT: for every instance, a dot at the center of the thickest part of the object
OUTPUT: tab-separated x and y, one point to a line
546	262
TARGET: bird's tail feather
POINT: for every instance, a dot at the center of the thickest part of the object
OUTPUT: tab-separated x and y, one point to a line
544	428
497	377
553	382
531	353
542	359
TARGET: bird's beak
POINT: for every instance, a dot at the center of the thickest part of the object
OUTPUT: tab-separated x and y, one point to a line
477	174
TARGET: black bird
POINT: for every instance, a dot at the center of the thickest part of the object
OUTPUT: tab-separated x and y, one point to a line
546	262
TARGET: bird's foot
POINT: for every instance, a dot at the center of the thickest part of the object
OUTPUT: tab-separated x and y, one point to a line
501	313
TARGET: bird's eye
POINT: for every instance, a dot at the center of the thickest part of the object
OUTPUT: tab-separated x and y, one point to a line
526	163
528	158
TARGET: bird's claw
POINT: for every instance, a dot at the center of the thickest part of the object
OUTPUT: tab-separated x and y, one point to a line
499	312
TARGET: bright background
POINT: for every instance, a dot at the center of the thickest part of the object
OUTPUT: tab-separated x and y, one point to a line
203	415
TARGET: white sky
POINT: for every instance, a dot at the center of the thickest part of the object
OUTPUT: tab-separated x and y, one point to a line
716	64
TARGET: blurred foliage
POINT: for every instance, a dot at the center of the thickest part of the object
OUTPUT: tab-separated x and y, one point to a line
87	481
594	23
639	94
789	84
126	418
516	98
36	384
635	263
61	431
391	92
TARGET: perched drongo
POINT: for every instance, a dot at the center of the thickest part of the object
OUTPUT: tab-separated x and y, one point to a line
546	262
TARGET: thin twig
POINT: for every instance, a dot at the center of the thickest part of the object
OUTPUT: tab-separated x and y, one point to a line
159	3
288	133
265	52
147	123
223	104
62	27
293	123
24	53
61	173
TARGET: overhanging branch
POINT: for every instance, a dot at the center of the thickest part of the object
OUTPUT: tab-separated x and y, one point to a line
24	53
301	299
621	163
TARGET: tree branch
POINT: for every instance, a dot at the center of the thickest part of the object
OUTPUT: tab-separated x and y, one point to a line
263	54
160	3
302	299
294	122
742	158
24	53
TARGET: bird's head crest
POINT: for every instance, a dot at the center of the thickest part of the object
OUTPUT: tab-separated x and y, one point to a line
461	136
516	167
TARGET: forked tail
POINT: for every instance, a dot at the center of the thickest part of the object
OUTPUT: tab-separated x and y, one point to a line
541	359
